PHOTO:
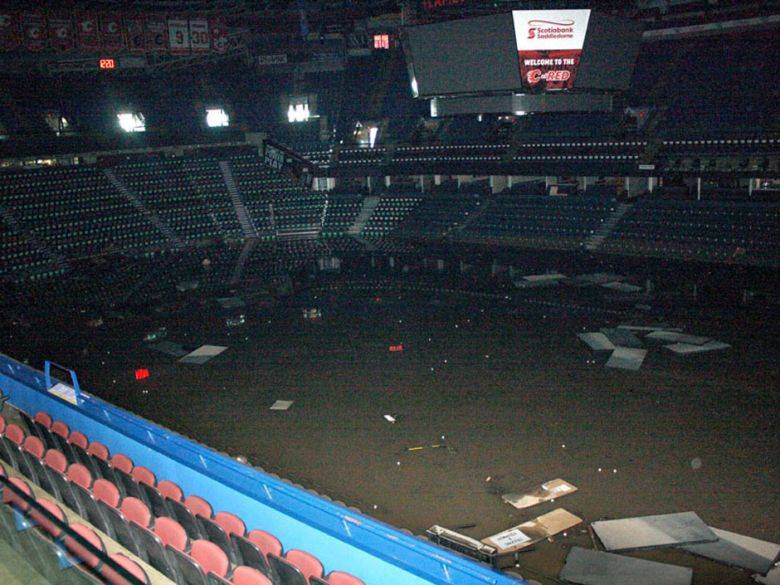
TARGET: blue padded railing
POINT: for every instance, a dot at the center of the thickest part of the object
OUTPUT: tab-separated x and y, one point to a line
341	538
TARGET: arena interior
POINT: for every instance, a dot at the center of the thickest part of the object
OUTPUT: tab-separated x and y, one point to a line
389	292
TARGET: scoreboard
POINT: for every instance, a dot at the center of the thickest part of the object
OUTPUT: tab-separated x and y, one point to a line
525	51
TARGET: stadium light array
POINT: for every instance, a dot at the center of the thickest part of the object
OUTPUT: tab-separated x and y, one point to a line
298	113
217	118
130	122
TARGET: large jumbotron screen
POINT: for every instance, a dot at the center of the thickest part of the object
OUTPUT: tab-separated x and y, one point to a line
527	51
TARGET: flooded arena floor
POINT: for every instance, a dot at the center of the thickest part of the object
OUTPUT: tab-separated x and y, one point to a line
515	399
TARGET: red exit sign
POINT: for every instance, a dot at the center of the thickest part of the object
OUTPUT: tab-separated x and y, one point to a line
107	63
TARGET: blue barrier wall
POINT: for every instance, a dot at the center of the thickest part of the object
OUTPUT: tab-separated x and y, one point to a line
343	539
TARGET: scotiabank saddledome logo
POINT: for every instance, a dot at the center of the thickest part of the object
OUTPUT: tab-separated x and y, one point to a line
549	29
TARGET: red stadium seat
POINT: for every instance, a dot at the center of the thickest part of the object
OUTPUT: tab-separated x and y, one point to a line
198	506
249	576
9	497
80	551
122	462
56	460
60	428
79	475
155	553
79	439
157	504
266	542
45	524
43	418
14	433
98	450
142	474
33	446
136	511
171	533
210	557
230	523
341	578
307	564
170	490
186	518
106	492
113	578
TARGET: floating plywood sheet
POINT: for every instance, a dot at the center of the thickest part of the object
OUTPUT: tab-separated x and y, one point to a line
653	531
203	354
627	358
676	336
622	287
737	550
622	337
597	341
688	348
169	348
533	531
556	488
592	567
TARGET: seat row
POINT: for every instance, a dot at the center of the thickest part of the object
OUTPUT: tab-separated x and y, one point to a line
57	535
180	536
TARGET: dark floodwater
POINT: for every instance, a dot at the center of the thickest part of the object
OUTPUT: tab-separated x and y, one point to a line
507	387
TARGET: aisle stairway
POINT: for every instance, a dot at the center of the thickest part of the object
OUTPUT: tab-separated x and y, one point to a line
594	242
369	205
247	225
119	185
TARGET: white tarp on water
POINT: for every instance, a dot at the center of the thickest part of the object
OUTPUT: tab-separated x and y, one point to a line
281	405
688	348
675	337
627	358
622	337
203	354
597	341
648	328
622	287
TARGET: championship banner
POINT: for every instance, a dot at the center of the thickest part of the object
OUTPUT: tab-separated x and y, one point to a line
9	31
549	46
219	36
111	34
34	31
87	31
156	33
200	38
136	34
61	33
179	35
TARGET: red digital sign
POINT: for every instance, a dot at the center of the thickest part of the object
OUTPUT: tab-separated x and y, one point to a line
107	63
